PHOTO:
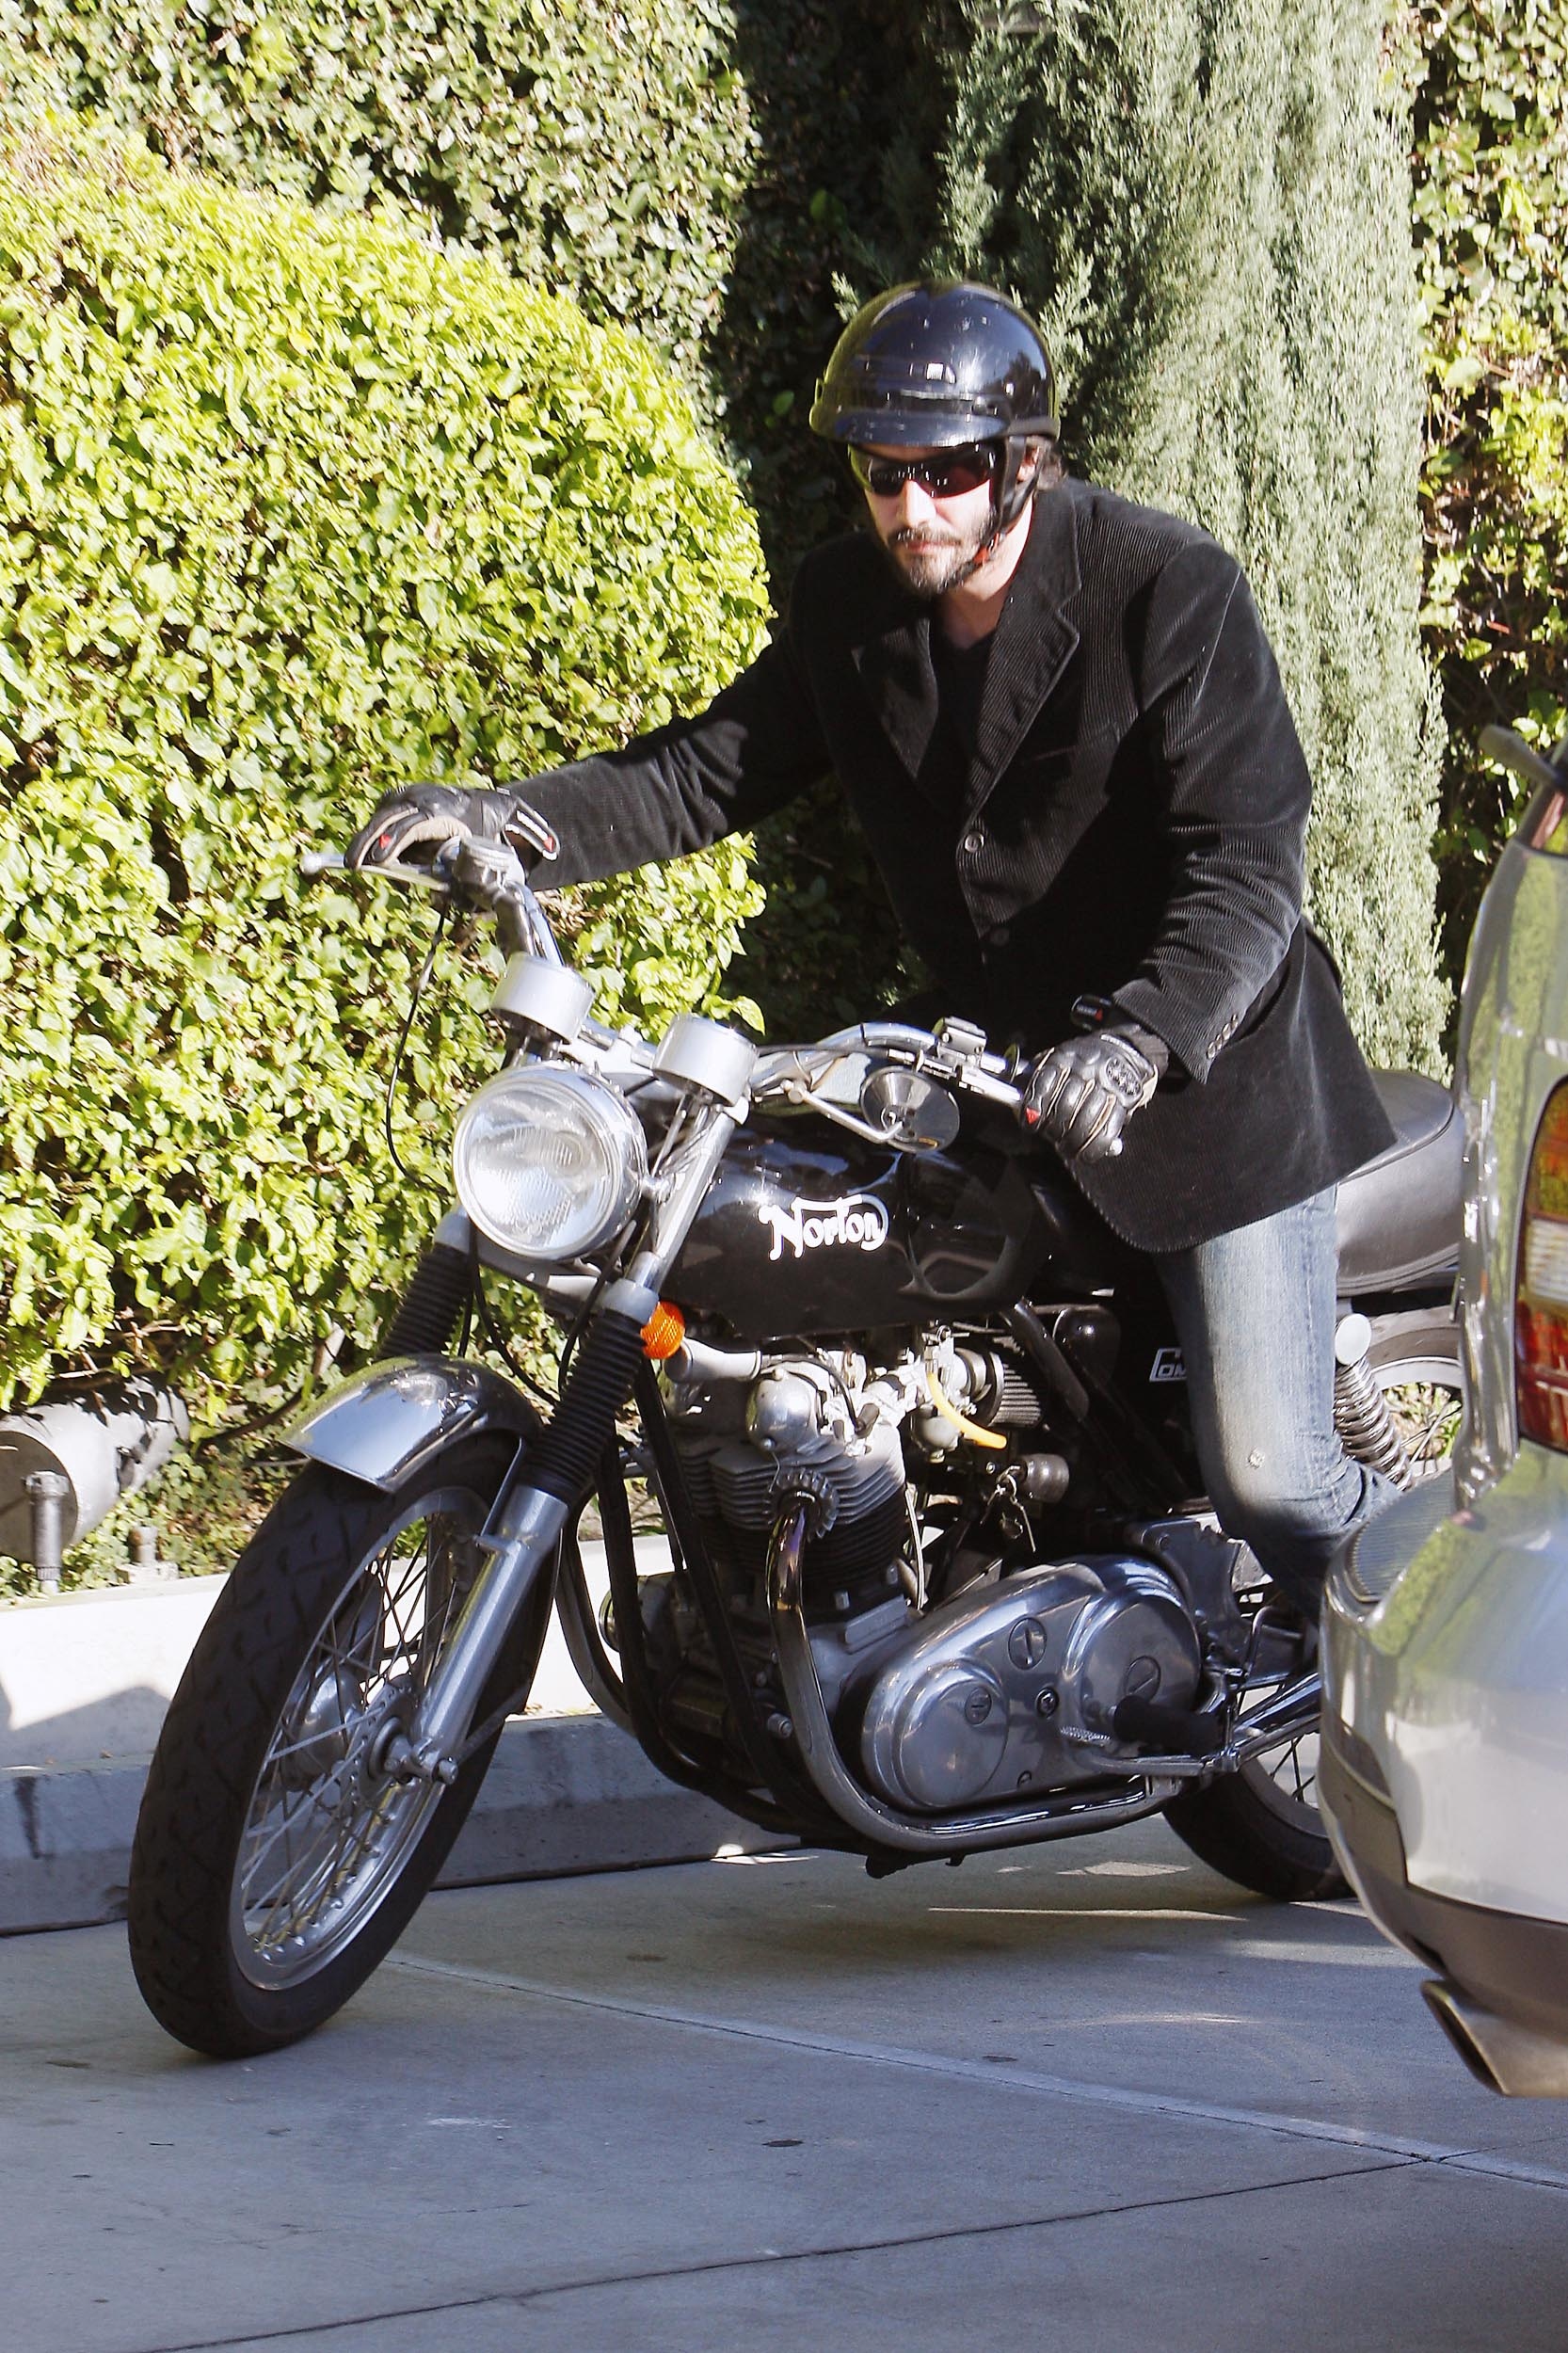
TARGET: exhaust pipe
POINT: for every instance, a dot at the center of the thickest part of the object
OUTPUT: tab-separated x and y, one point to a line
1505	2056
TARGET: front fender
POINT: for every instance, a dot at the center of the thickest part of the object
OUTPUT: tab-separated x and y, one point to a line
384	1425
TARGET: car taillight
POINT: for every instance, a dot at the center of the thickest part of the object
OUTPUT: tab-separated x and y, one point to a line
1540	1289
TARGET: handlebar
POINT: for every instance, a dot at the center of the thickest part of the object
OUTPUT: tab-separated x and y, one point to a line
955	1054
489	877
955	1051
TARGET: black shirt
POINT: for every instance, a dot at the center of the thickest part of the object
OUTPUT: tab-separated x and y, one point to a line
960	683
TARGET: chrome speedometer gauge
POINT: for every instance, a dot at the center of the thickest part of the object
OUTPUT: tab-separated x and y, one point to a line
548	1162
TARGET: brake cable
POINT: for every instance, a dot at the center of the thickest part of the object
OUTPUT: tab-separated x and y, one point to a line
421	985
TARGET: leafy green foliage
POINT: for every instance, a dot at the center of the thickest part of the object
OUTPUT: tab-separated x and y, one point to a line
1491	154
682	167
291	510
604	151
1208	208
686	166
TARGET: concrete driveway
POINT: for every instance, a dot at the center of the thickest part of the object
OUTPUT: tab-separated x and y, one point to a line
1091	2096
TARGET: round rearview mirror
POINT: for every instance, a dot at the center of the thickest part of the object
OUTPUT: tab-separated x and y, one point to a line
913	1112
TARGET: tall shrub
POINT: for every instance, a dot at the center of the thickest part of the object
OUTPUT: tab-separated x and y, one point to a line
686	168
291	510
605	150
679	167
1206	202
1491	159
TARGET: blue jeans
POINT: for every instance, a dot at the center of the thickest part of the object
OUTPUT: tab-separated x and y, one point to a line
1255	1313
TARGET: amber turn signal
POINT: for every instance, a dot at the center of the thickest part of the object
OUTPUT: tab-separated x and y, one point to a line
664	1331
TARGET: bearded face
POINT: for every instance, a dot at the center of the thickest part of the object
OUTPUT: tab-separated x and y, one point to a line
932	555
935	511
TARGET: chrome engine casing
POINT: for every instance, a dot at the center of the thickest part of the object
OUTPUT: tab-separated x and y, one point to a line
1014	1687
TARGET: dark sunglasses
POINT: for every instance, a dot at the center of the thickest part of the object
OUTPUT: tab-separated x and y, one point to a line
946	473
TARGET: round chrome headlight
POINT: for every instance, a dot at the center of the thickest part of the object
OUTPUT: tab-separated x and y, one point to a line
548	1162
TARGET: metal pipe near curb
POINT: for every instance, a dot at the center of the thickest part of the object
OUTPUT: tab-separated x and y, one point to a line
47	1494
66	1463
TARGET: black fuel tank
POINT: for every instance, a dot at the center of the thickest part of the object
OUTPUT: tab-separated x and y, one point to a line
807	1229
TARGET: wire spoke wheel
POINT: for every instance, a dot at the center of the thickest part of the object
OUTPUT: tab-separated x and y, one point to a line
1291	1775
278	1856
1427	1406
328	1827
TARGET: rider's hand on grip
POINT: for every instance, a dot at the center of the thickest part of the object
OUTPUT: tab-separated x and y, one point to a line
411	825
1080	1095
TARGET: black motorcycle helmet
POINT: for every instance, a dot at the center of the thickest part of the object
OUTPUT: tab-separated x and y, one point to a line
937	362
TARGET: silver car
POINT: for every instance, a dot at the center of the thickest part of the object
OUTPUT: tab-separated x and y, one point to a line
1443	1771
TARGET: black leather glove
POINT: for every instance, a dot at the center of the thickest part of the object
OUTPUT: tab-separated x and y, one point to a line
1080	1095
418	817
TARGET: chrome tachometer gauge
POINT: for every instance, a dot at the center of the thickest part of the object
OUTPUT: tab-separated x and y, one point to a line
548	1162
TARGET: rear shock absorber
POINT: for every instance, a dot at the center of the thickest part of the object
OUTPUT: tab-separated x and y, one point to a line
1366	1428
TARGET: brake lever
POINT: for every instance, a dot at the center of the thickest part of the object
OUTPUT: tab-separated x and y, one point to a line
958	1055
315	865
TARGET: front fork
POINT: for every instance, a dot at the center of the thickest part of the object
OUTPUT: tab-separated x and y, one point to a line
557	1474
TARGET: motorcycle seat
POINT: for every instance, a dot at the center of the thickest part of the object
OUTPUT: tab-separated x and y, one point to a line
1399	1215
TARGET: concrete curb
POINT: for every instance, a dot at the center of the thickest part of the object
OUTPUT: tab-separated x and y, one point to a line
88	1678
564	1793
84	1687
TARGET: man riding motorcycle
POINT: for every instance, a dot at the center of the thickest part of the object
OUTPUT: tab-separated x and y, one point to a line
1059	721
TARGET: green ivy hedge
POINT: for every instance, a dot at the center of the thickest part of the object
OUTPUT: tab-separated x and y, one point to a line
693	168
290	509
605	149
685	167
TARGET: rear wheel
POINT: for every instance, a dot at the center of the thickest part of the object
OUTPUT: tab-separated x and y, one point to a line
276	1860
1415	1361
1262	1826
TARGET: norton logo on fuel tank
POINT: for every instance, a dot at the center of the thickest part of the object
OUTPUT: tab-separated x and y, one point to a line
856	1223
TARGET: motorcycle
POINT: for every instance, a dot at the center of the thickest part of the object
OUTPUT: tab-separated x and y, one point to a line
941	1577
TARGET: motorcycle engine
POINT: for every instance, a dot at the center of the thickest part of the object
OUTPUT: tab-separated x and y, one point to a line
811	1423
1017	1685
1008	1686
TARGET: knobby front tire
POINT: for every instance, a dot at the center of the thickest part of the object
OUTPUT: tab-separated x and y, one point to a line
274	1863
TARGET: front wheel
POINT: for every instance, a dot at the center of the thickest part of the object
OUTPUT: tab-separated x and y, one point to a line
1262	1826
275	1860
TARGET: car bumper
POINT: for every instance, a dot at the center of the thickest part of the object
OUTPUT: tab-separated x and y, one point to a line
1444	1764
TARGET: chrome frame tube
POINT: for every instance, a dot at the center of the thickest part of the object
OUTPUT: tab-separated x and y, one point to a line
688	1172
1058	1817
571	1596
1276	1717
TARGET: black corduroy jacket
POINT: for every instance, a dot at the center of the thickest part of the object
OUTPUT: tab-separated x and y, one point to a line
1129	823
